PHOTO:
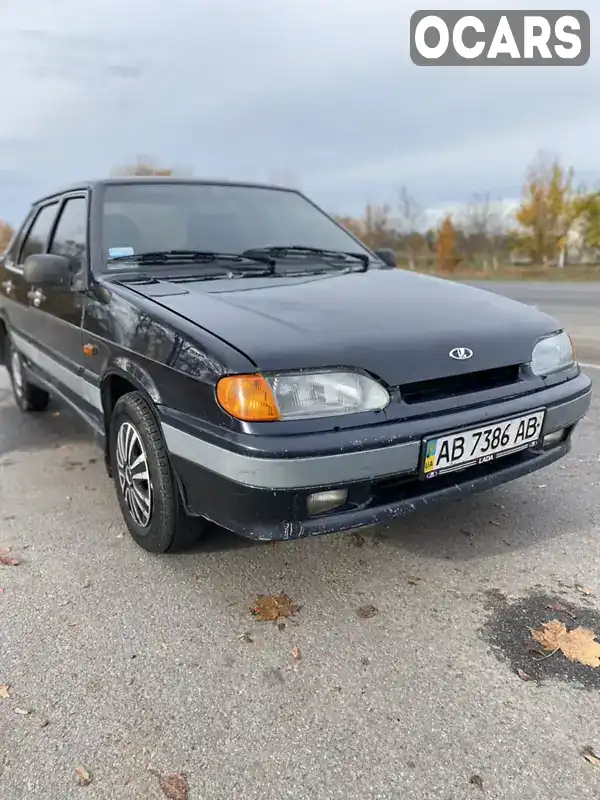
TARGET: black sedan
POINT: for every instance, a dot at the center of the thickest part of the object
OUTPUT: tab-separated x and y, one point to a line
245	360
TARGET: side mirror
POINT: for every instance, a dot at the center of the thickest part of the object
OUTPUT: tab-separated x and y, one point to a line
46	269
388	256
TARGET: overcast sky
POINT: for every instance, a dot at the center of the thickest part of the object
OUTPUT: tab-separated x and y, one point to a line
322	91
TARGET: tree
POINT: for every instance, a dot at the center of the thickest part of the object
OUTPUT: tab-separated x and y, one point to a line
374	228
6	234
412	219
547	211
145	166
351	224
587	210
446	245
483	222
377	228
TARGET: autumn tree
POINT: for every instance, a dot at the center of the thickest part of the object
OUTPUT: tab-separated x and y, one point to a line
446	245
6	233
587	211
547	210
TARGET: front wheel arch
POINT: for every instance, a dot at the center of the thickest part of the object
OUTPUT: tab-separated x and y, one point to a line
116	383
169	529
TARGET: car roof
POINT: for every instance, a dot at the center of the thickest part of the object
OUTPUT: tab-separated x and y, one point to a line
139	179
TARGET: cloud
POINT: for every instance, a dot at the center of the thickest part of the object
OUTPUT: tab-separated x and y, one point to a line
325	91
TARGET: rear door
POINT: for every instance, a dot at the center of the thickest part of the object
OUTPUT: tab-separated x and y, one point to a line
12	292
33	238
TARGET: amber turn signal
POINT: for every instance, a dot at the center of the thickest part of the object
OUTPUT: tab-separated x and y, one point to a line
248	397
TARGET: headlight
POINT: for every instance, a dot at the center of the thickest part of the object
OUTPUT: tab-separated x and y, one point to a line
552	354
303	395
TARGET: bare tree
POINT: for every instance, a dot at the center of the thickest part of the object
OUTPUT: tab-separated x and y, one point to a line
483	220
412	219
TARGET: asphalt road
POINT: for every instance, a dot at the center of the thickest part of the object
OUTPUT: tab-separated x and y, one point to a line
128	661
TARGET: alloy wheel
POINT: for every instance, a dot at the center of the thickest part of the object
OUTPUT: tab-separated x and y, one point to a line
16	369
134	474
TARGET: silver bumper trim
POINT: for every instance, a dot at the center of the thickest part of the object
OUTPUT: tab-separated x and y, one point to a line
291	473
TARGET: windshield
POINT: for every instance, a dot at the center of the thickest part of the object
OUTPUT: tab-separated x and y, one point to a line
230	219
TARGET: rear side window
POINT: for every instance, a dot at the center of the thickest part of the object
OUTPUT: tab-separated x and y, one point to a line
37	238
70	236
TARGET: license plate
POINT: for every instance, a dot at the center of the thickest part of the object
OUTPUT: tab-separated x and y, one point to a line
479	445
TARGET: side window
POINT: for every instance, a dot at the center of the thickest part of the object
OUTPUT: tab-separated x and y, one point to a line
37	238
70	236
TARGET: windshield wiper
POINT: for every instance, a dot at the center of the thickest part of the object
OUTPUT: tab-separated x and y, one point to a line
281	251
194	257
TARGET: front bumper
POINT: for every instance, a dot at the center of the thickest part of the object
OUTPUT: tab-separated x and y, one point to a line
258	486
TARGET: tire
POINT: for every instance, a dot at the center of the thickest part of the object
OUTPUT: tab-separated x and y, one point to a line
153	511
27	396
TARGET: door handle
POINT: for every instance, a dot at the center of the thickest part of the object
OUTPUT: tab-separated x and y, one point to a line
36	296
8	286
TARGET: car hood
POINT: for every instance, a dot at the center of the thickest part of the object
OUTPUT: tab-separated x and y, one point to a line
399	326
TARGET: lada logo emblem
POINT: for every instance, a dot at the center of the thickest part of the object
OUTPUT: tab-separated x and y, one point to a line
461	353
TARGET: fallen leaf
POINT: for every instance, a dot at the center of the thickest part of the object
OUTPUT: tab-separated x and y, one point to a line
22	711
83	776
590	756
584	590
578	644
560	609
476	780
272	606
174	787
8	561
523	675
366	612
4	551
4	691
296	653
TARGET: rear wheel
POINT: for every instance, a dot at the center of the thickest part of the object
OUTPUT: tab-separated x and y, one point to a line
146	488
27	396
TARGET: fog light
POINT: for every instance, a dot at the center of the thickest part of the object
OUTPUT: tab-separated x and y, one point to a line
320	502
554	438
